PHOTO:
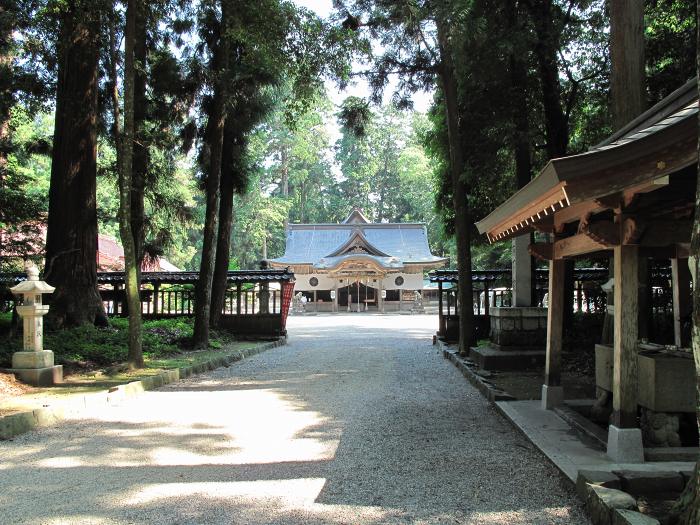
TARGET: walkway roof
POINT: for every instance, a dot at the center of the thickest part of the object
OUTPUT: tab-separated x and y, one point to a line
659	142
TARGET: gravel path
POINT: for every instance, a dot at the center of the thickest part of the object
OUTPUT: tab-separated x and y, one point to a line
357	420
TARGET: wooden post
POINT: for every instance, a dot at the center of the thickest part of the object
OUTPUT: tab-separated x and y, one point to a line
315	302
552	392
238	298
626	337
335	299
486	298
681	301
644	302
555	316
156	291
441	318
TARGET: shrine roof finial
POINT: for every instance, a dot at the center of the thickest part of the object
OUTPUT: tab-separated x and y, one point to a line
356	217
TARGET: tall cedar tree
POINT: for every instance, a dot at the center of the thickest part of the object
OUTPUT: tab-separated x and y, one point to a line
215	140
462	218
71	243
124	137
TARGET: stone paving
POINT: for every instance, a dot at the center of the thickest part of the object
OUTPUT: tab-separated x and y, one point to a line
358	420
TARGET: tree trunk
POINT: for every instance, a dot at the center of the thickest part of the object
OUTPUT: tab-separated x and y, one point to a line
125	142
556	123
627	75
521	122
546	49
687	509
141	154
215	137
71	239
223	244
6	74
463	222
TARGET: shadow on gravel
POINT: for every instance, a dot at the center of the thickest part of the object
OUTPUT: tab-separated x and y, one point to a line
332	429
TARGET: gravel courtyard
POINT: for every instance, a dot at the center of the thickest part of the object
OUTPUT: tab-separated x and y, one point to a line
357	420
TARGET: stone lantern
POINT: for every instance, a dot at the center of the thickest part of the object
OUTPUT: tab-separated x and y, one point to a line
34	365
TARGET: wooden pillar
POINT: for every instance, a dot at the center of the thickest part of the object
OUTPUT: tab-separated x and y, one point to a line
156	291
315	302
626	337
644	298
680	274
552	392
555	316
238	298
441	319
335	299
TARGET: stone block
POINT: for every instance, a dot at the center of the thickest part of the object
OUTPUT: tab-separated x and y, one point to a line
666	382
601	503
604	367
625	445
530	323
552	396
40	376
631	517
637	482
507	324
600	478
41	359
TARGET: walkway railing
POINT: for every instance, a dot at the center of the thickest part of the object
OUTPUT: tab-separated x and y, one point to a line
256	301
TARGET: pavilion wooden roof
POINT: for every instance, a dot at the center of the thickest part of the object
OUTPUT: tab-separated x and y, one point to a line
653	152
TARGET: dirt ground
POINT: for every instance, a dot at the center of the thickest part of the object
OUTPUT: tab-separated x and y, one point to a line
9	388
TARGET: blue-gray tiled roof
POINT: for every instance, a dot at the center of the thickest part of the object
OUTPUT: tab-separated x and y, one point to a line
314	243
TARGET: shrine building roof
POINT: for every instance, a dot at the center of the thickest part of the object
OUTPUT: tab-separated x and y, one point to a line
326	246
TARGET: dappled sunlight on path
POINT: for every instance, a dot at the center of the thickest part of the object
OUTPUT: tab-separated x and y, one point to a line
358	420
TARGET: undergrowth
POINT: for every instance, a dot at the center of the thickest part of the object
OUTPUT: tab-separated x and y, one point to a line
92	347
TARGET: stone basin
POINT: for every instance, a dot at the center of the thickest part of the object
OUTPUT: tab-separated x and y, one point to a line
666	380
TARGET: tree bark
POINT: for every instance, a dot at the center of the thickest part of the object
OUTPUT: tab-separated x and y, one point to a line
463	222
223	245
546	49
71	243
141	154
627	75
6	98
125	143
215	138
687	509
556	122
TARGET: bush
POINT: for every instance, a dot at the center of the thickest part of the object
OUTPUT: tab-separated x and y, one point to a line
91	346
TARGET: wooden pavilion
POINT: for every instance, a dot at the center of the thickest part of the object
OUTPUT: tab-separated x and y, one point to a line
633	197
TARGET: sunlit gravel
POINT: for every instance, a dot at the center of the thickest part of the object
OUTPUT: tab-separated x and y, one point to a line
358	420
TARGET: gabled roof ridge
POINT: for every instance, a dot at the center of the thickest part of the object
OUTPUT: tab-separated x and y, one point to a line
357	235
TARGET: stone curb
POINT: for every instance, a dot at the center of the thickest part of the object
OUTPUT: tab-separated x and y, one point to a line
16	424
466	366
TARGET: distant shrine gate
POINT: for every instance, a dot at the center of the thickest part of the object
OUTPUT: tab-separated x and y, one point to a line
358	265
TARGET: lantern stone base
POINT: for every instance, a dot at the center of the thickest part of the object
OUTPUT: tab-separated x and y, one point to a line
42	359
39	376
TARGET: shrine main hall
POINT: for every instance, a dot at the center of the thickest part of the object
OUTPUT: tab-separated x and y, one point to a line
358	265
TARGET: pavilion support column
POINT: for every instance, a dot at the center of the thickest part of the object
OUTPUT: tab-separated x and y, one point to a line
522	272
682	304
624	435
380	298
335	299
552	391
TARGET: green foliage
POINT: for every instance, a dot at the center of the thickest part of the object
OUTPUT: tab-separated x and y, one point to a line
92	346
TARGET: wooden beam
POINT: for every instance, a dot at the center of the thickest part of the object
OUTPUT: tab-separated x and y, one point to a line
555	323
541	250
606	233
682	304
575	212
626	337
580	244
665	233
